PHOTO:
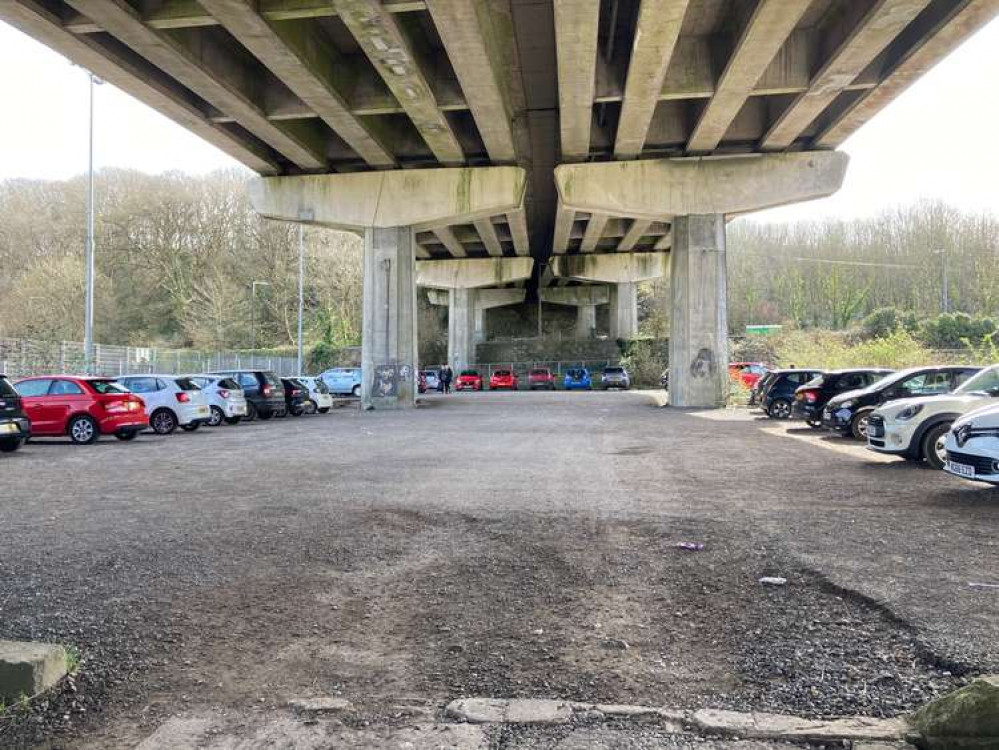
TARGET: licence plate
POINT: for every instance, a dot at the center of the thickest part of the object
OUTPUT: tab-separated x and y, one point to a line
202	411
9	427
962	470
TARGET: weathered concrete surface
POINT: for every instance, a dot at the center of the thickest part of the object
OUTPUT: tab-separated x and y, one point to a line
576	295
321	705
624	310
420	198
548	711
461	328
611	269
28	668
658	189
698	343
965	719
388	347
478	302
776	726
471	273
586	321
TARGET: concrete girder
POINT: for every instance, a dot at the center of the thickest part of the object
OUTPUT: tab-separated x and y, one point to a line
636	231
517	221
576	26
485	299
211	72
658	189
378	34
859	42
936	34
111	65
487	234
618	268
767	28
564	220
575	296
656	33
447	238
300	55
419	198
594	231
472	273
471	35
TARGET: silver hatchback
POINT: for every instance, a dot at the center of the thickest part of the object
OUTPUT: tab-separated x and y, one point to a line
615	377
224	397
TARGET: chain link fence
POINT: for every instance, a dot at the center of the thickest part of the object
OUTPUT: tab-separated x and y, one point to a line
23	357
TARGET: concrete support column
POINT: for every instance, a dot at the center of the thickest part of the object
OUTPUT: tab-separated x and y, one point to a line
698	343
624	310
586	321
461	328
388	350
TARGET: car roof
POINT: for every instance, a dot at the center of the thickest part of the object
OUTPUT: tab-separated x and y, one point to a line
67	377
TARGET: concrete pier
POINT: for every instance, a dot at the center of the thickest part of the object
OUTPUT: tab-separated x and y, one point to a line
624	310
585	299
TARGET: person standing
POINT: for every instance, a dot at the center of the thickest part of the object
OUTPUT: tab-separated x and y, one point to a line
448	375
440	379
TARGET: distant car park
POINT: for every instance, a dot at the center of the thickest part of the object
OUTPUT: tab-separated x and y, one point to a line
343	380
263	392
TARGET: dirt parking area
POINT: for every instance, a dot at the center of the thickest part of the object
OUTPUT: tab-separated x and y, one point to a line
498	545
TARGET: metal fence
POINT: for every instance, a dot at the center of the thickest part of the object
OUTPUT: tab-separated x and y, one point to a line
558	368
23	357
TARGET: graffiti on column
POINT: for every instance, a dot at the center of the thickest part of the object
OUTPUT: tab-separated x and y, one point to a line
703	365
386	383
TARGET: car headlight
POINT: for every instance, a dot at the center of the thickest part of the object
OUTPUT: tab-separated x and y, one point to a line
847	404
909	412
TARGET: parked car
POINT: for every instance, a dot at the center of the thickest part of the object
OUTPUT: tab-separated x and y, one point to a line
747	373
778	391
343	380
615	377
756	391
81	408
540	378
468	380
433	378
972	446
15	427
504	379
296	396
916	428
577	379
225	398
811	398
171	401
318	399
262	390
848	413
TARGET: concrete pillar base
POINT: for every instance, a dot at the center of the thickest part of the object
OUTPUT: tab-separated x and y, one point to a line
461	328
698	344
586	321
624	310
388	348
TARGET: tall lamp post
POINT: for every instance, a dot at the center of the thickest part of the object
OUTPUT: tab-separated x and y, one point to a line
88	320
945	280
253	310
303	215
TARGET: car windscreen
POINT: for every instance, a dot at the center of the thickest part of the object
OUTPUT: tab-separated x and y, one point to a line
613	371
271	378
469	373
539	372
6	389
229	383
986	381
108	386
502	373
186	384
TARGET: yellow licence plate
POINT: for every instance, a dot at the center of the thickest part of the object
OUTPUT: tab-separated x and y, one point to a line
9	427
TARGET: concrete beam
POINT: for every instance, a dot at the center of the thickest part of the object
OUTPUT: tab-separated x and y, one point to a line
636	231
379	35
855	43
657	189
487	233
421	198
214	74
576	295
610	269
471	34
447	238
656	33
152	90
768	27
487	299
299	53
472	273
517	222
564	219
576	26
594	231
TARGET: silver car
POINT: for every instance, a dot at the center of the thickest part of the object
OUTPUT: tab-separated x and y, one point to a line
224	397
320	398
615	377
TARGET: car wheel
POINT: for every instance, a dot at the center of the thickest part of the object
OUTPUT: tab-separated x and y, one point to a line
311	407
163	422
190	427
933	445
281	414
858	426
217	417
297	411
356	391
233	420
83	430
780	409
251	412
265	415
815	424
126	435
9	446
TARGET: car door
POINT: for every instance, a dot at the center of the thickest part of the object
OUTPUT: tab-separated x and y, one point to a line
66	397
34	394
248	382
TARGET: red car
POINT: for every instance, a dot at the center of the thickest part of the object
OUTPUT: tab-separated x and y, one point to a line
540	377
81	408
468	380
503	379
748	373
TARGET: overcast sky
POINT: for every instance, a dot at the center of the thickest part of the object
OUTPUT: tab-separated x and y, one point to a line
938	140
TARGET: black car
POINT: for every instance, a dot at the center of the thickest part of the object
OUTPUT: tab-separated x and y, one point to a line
15	427
263	391
847	413
296	396
777	392
759	386
811	398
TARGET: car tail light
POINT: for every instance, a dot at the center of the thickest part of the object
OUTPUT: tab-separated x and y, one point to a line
811	397
295	392
266	391
223	393
183	397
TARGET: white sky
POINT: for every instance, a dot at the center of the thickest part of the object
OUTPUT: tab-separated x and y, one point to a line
938	140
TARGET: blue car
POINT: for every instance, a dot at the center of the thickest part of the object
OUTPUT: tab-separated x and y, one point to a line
577	379
343	380
778	397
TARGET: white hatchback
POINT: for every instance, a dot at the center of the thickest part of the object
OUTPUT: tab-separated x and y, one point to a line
224	396
320	398
171	401
973	446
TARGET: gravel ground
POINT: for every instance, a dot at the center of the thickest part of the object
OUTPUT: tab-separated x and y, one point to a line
504	545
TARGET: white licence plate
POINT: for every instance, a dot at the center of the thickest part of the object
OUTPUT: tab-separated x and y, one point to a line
9	427
962	470
202	411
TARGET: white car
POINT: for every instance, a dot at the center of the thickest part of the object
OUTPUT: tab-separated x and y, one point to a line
320	398
973	446
171	401
915	428
225	398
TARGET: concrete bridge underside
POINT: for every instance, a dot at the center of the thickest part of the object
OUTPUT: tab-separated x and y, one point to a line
521	144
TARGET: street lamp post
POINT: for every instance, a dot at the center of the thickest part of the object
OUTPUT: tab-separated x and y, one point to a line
253	309
88	319
945	280
303	215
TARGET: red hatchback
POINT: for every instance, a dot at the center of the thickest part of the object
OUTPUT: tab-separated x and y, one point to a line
540	377
81	408
503	379
468	380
